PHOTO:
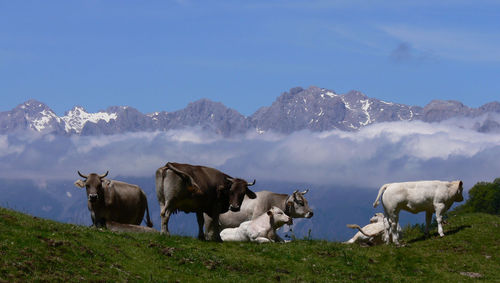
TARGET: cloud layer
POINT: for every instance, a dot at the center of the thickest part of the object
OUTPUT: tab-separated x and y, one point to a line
381	153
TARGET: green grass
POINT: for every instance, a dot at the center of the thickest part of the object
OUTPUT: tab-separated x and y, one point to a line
33	249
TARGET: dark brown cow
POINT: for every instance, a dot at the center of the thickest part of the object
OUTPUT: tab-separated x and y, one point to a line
199	189
110	200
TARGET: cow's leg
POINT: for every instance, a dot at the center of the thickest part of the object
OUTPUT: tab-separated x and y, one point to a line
165	217
428	219
389	215
215	227
440	207
94	221
394	229
392	216
209	228
201	221
262	240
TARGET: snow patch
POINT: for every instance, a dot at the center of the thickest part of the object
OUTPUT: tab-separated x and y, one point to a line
43	122
366	105
346	103
330	94
321	113
78	117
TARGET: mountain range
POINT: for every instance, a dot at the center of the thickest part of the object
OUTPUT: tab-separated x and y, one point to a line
314	108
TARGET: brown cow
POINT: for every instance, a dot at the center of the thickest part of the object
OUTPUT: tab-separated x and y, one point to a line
110	200
199	189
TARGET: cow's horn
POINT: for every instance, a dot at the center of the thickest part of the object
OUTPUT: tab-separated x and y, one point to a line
81	175
251	184
105	174
305	192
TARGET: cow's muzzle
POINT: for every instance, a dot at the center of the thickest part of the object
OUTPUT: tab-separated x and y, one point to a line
93	197
309	214
234	208
290	221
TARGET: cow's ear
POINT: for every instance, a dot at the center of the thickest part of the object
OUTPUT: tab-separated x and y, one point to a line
80	184
250	194
105	183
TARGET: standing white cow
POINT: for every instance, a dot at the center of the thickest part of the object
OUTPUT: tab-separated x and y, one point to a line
262	229
428	196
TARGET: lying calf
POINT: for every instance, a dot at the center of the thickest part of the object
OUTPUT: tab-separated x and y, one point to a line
262	229
373	233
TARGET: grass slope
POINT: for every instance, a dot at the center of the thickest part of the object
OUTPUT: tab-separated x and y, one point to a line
33	249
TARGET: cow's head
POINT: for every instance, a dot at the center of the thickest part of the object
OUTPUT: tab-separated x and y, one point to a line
278	217
93	183
237	190
378	217
458	186
297	206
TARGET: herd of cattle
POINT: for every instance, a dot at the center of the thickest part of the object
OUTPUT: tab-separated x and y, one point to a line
227	210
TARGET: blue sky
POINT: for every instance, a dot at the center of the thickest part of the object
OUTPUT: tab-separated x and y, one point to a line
160	55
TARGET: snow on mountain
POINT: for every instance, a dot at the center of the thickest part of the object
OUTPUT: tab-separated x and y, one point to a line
76	118
314	109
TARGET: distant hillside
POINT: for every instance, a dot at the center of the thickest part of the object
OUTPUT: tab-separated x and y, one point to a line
34	249
314	108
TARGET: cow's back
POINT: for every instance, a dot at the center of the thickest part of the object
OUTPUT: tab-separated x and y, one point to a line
172	188
207	178
413	196
126	203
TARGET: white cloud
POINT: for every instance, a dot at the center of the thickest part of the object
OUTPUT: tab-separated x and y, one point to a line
377	154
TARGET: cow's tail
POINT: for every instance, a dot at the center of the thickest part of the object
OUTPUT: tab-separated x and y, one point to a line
149	223
380	192
355	226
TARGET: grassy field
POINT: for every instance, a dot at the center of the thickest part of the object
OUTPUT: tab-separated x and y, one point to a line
33	249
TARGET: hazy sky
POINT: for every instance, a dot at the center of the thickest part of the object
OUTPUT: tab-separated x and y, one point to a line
160	55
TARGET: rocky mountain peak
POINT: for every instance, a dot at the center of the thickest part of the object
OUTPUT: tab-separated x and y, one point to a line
312	108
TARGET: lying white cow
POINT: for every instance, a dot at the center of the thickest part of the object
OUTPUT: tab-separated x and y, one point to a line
372	234
294	205
261	230
428	196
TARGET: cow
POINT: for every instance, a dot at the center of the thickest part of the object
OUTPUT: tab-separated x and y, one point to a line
199	189
373	233
111	200
294	205
261	229
428	196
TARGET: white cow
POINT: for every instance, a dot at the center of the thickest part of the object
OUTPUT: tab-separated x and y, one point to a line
262	229
372	234
428	196
294	205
